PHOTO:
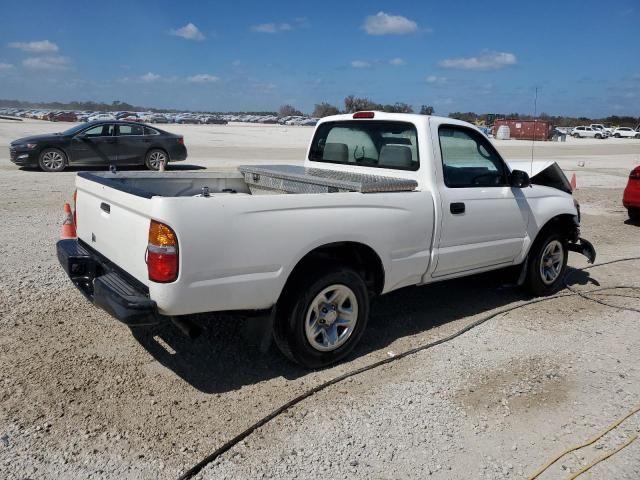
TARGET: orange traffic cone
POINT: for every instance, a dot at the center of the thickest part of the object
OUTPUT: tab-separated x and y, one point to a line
68	227
573	182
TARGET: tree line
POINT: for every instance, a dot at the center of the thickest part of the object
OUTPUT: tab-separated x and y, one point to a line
351	104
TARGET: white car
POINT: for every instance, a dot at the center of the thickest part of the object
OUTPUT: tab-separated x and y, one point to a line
102	116
626	132
588	132
383	201
598	126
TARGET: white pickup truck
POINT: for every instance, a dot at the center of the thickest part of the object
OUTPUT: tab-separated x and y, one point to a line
383	201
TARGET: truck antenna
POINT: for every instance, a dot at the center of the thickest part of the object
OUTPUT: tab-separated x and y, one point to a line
535	129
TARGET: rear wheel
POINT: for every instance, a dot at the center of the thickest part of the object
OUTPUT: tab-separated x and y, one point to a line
547	264
154	158
634	213
320	321
52	160
576	135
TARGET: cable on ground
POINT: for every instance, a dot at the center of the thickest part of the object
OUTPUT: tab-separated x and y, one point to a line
591	441
228	445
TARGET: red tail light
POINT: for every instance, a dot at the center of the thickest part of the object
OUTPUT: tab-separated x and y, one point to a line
162	253
181	140
635	173
364	115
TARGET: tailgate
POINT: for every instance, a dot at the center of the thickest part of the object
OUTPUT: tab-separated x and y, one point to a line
114	223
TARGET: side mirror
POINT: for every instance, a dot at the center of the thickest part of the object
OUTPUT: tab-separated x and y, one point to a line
81	136
519	179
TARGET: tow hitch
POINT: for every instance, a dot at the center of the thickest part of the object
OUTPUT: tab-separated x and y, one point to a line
585	248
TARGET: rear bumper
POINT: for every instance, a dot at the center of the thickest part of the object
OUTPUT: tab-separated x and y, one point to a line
107	286
178	154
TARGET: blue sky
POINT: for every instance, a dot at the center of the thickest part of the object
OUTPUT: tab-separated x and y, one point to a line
239	55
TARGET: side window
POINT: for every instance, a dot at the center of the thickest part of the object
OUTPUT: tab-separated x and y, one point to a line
150	131
130	130
469	160
100	131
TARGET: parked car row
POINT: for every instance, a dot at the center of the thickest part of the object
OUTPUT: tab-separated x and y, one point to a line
154	117
597	130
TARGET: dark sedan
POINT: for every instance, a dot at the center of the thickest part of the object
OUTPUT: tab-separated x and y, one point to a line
99	143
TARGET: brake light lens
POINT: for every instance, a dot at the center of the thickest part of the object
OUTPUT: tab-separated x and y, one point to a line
162	253
364	115
181	140
635	173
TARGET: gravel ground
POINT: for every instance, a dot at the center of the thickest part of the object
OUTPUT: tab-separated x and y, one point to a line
84	397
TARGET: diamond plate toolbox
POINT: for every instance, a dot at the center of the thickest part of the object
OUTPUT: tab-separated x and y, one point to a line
294	179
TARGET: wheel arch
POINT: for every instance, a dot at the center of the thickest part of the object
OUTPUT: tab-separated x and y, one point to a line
56	147
362	258
157	147
563	223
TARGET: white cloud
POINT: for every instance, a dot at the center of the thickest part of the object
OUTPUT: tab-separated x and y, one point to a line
5	67
47	63
435	80
42	46
189	32
486	61
150	77
360	64
385	24
203	78
272	27
397	61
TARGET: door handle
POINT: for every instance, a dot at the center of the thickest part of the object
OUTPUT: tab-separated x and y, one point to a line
105	207
457	208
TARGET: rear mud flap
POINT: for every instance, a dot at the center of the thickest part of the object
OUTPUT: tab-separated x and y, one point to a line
585	248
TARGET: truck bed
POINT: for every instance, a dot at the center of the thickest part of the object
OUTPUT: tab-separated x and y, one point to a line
254	180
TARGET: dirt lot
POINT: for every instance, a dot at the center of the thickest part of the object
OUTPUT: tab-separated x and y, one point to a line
83	397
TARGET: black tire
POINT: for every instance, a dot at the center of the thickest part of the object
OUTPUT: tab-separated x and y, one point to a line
637	135
153	157
617	135
289	330
52	160
576	135
536	282
634	213
598	135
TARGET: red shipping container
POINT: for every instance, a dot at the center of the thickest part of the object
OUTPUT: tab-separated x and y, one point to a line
525	129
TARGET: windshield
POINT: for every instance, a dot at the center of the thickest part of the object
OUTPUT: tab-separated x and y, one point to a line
371	143
74	130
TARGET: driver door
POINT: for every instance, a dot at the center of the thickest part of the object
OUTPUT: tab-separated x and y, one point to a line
96	146
483	219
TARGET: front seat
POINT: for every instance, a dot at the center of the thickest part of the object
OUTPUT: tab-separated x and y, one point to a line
335	152
395	156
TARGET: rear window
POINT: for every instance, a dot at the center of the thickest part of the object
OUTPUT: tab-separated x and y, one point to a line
150	131
371	143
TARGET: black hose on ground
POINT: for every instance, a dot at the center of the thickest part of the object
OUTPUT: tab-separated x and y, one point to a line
283	408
